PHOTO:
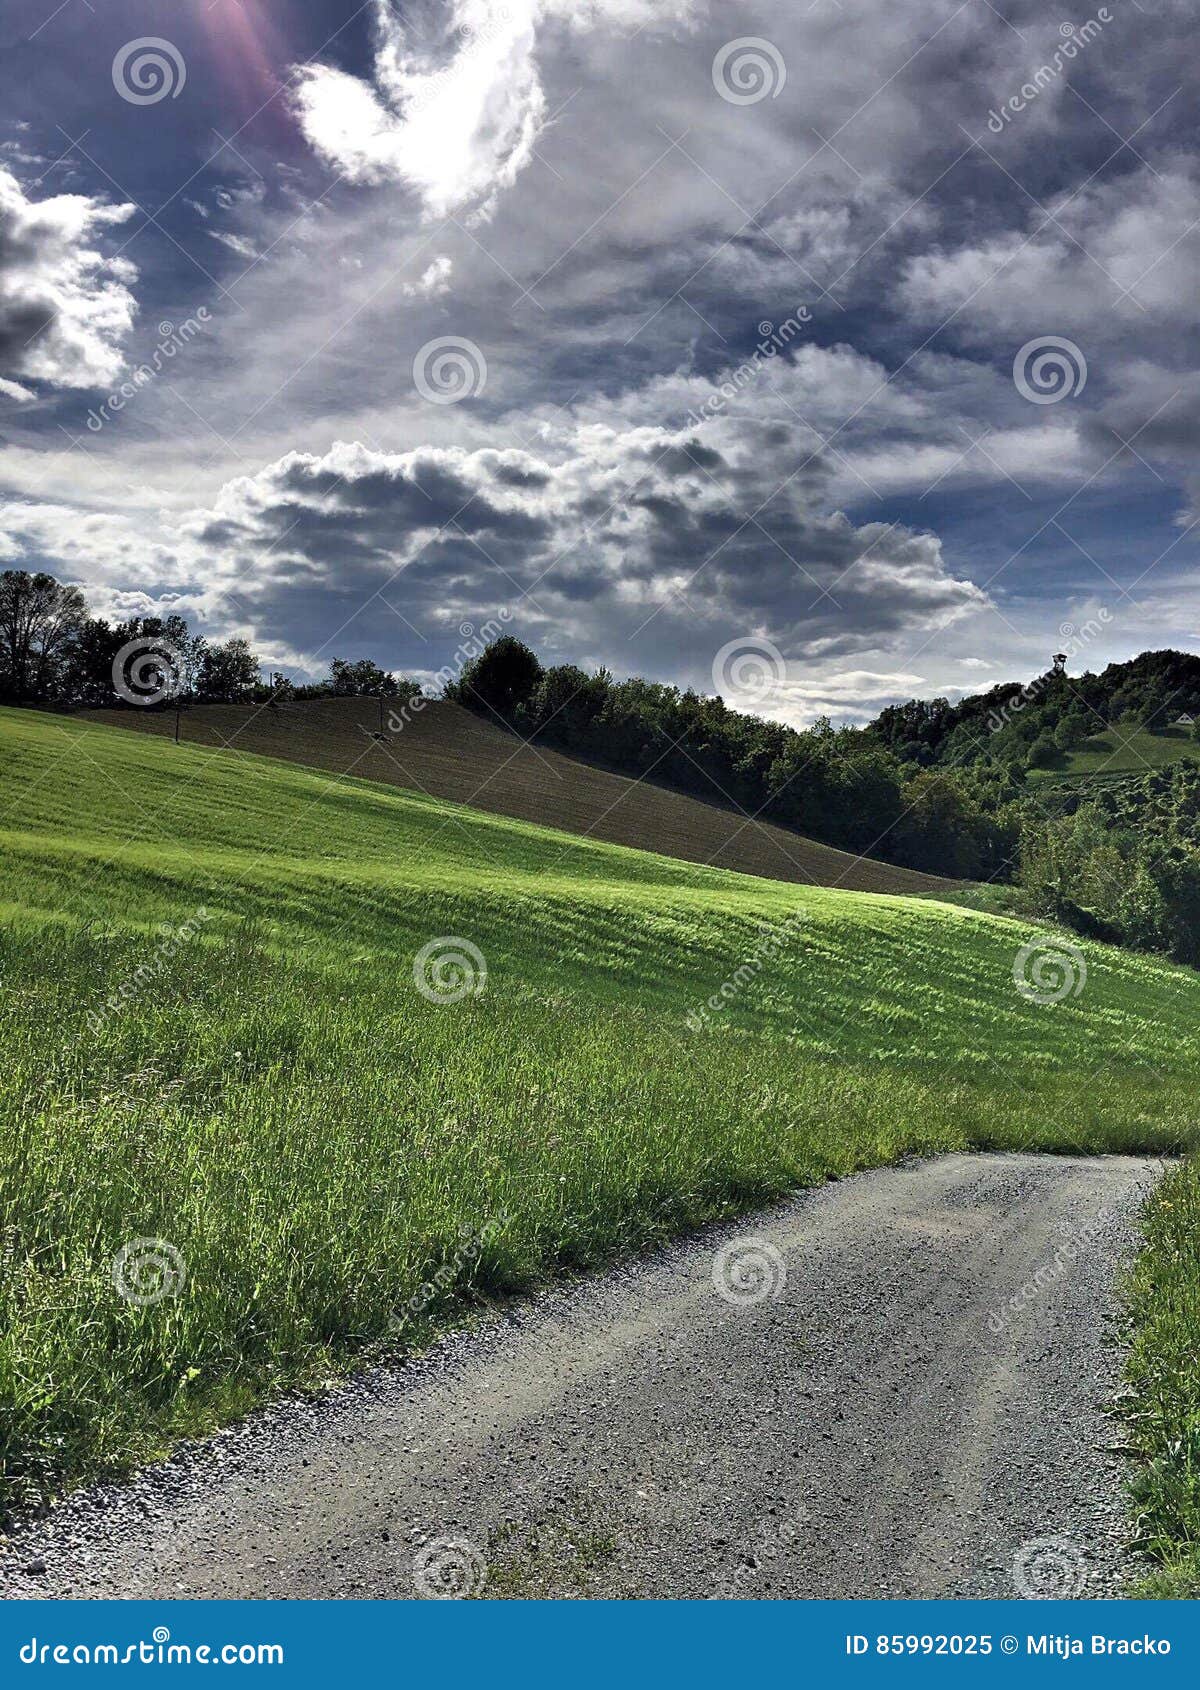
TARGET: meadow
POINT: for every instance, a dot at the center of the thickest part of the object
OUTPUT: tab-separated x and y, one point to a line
446	751
220	1036
1122	751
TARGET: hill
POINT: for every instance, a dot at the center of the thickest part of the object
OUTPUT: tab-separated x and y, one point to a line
1118	752
1128	710
445	751
294	1067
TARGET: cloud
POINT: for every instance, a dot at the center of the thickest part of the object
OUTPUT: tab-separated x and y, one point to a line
1110	267
454	111
104	549
241	244
597	538
1129	243
433	281
840	500
64	306
456	103
846	696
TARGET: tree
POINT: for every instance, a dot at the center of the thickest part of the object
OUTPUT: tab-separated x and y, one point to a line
227	672
40	621
1071	731
157	656
940	828
90	679
1043	753
360	679
912	751
566	699
281	689
500	679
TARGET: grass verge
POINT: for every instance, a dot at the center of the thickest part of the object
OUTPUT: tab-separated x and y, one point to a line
1163	1411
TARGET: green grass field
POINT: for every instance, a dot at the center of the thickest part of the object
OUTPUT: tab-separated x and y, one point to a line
1163	1414
318	1139
1121	751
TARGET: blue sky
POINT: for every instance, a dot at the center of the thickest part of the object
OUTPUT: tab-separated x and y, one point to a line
854	339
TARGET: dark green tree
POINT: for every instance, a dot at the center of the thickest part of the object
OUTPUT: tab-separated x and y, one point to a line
228	672
41	621
501	679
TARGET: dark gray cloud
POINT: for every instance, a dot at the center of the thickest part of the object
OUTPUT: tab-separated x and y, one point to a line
609	543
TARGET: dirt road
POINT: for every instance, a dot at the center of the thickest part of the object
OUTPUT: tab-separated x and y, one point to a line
890	1387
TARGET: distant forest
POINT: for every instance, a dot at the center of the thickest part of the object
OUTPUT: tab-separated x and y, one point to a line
929	784
932	785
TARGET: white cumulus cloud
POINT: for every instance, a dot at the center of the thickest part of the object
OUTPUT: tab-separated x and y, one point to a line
64	306
456	105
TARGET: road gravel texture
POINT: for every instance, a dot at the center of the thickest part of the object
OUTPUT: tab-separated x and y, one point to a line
898	1385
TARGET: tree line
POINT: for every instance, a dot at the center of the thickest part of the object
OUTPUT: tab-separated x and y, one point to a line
841	785
55	653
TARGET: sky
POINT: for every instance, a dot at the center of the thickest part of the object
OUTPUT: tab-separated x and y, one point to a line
819	355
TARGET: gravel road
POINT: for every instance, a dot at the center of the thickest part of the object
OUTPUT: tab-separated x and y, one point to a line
898	1390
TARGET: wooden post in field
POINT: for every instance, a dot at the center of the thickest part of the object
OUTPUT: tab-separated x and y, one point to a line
178	707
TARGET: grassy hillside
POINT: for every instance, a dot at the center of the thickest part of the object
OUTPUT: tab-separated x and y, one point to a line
216	1038
448	752
1163	1410
1120	751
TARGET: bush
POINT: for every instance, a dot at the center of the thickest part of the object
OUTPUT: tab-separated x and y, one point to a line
1043	753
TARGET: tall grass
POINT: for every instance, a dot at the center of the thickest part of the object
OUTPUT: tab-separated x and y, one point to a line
340	1162
1163	1411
